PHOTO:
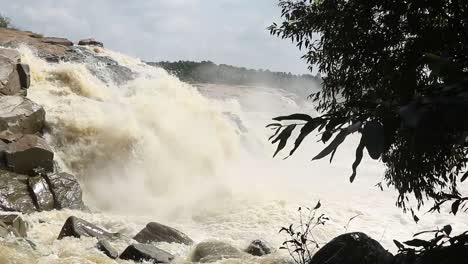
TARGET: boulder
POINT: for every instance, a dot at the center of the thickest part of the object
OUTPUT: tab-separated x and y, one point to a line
14	224
57	41
155	232
352	248
108	249
66	191
41	194
212	251
76	227
143	252
21	115
24	75
14	193
258	248
90	42
28	155
9	77
13	55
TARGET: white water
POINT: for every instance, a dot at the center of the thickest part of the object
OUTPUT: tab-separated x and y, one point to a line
157	149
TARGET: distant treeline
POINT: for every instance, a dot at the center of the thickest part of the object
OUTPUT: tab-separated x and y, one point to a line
209	72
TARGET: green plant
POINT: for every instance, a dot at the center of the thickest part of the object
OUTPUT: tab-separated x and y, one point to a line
5	22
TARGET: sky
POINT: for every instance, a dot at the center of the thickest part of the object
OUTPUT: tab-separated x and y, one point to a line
223	31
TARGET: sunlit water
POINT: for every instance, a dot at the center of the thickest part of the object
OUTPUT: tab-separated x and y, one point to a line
195	158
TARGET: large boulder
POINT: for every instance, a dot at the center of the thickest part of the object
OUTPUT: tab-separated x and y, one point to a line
76	227
21	115
104	246
57	41
258	248
90	42
13	55
212	251
29	154
9	77
66	191
352	248
14	193
13	223
155	232
143	252
24	73
41	193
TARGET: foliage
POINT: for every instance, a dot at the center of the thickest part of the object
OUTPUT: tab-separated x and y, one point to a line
396	73
5	22
302	244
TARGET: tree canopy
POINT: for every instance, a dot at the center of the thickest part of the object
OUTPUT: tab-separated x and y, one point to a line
5	22
395	72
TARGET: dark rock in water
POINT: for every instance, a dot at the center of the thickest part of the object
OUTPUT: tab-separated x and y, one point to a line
90	42
212	251
9	78
107	249
24	75
143	252
20	115
57	41
456	254
76	227
14	193
66	191
41	193
155	232
14	224
28	155
258	248
352	248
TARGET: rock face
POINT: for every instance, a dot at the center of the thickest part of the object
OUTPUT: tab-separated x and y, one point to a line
20	115
76	227
57	41
14	224
155	232
66	191
9	77
11	54
258	248
29	154
107	249
90	42
142	252
41	193
212	251
24	75
14	193
352	248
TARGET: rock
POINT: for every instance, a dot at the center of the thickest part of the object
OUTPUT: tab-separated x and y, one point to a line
41	194
9	78
13	55
76	227
21	115
57	41
29	154
107	249
258	248
16	224
90	42
211	251
155	232
352	248
14	193
143	252
24	75
66	191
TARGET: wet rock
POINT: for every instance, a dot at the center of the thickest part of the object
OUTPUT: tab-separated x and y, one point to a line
66	191
107	249
11	54
155	232
57	41
14	193
258	248
76	227
211	251
28	155
14	224
352	248
21	115
41	193
24	75
143	252
90	42
9	78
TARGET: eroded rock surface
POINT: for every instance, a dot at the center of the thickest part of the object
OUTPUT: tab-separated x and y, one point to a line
155	232
143	252
21	115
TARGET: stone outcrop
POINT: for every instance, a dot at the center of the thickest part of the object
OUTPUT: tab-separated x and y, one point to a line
155	232
66	191
28	155
57	41
258	248
143	252
352	248
90	42
104	246
212	251
13	224
9	77
76	227
41	194
21	115
14	193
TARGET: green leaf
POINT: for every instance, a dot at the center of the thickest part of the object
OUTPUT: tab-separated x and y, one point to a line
333	145
463	178
417	243
447	229
283	138
455	206
302	117
305	131
357	161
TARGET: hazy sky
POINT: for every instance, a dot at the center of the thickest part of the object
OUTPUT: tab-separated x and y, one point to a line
224	31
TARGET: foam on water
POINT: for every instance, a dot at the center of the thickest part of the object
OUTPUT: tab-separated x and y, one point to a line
157	149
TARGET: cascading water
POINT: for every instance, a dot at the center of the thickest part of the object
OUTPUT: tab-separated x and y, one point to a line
152	148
